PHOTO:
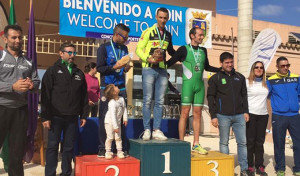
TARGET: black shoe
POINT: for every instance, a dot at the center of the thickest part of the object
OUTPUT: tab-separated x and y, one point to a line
126	154
244	173
261	171
251	171
101	153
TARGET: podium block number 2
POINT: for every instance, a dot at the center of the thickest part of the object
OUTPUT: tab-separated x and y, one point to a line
117	170
216	164
167	163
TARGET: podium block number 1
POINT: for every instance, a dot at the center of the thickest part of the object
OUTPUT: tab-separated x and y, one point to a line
216	164
167	163
117	170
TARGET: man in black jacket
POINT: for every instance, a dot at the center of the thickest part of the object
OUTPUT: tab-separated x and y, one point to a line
228	106
64	98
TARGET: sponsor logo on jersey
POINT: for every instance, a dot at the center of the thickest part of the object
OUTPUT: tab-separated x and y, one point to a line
77	77
223	81
21	67
8	65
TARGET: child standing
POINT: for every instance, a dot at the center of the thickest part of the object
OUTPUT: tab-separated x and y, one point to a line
112	121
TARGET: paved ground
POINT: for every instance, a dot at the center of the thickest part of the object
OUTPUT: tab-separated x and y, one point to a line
210	142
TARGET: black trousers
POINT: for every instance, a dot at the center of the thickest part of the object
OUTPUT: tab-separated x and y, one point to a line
94	110
14	121
103	108
67	124
256	132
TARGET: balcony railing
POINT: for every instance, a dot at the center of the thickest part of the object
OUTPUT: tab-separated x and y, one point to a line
51	46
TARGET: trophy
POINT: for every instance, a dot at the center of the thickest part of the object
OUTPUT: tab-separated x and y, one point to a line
125	60
138	112
129	110
158	54
176	111
165	108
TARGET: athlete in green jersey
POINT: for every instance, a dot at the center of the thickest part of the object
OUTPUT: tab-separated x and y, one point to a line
194	62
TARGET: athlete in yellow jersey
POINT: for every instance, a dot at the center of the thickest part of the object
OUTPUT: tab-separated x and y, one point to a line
151	49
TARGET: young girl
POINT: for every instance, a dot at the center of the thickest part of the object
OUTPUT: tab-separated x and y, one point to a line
112	121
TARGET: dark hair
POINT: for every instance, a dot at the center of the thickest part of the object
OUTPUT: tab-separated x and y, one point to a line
64	45
109	91
162	9
225	55
13	27
193	31
281	59
122	27
89	66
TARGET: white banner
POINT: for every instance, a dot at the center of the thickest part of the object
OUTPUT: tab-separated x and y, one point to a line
264	47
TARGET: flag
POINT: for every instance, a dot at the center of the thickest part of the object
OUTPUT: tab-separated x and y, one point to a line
32	97
12	15
264	47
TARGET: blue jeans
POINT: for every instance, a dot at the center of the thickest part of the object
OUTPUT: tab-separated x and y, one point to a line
280	124
238	124
155	80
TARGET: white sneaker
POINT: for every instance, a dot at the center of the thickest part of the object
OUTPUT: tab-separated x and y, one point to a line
108	155
159	135
147	135
121	155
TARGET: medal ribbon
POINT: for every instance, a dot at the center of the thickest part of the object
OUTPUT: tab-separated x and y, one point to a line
113	47
161	42
198	51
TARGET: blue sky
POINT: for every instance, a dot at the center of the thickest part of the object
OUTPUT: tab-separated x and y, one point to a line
278	11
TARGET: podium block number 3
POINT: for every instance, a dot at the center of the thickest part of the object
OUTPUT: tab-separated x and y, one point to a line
117	170
216	164
167	163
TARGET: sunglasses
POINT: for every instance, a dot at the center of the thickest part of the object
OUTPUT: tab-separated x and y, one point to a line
124	38
283	66
257	67
70	53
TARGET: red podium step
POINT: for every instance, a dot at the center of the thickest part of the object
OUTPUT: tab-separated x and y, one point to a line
91	165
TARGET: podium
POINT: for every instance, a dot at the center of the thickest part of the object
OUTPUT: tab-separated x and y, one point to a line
89	165
212	164
87	141
160	158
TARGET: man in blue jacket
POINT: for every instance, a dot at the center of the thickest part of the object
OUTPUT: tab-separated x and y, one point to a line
111	72
284	90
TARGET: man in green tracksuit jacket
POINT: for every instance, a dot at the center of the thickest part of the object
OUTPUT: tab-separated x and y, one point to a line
194	61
